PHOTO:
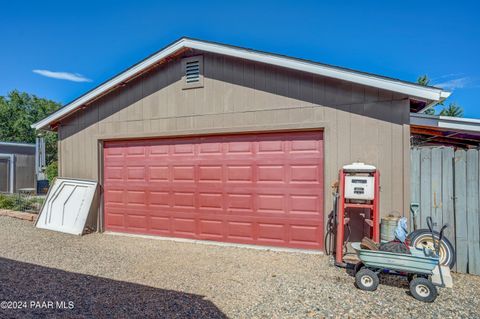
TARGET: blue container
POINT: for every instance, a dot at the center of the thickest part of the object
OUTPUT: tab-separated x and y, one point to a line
42	186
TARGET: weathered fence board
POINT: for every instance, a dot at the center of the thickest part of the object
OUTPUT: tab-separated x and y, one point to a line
446	183
447	193
425	186
472	212
461	210
436	171
415	181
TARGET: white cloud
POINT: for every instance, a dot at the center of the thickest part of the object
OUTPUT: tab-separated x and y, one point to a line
75	77
458	83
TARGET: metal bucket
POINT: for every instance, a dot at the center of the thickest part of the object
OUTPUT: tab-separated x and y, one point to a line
387	228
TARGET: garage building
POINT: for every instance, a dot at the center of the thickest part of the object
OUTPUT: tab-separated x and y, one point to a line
214	142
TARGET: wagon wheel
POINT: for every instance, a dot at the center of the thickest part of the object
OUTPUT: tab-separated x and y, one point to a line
423	289
422	238
366	279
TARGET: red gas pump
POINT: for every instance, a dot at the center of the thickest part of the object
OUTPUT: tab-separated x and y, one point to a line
358	192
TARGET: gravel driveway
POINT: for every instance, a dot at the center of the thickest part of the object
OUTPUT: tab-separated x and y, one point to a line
107	276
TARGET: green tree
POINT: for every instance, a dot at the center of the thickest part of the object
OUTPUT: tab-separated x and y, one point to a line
423	80
18	110
453	109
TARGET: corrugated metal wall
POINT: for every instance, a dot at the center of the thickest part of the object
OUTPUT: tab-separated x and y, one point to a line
446	184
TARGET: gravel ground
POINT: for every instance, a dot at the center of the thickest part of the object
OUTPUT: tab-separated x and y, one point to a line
107	276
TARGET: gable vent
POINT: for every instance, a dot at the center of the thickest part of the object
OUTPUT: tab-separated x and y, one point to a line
192	71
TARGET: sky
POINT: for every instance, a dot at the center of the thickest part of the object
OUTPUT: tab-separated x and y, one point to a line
60	49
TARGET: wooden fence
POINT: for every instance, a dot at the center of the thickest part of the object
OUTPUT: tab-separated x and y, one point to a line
446	184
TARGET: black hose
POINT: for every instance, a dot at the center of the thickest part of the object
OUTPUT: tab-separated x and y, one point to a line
345	242
329	234
331	227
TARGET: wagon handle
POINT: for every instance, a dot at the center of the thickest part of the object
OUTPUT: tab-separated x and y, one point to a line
430	227
430	224
440	236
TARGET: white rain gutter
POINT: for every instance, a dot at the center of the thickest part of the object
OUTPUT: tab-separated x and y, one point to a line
409	89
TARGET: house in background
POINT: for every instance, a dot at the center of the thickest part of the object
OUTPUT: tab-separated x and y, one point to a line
214	142
17	166
437	130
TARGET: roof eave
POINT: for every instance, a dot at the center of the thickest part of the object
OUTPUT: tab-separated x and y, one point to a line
443	96
430	94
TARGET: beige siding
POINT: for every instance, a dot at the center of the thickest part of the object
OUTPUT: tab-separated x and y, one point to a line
360	123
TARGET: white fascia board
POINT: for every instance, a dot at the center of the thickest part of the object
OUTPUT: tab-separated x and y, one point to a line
459	126
109	85
412	90
446	122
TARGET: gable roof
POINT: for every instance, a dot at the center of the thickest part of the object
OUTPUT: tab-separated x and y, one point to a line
431	95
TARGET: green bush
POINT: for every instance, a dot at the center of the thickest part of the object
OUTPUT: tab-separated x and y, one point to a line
20	203
7	201
51	171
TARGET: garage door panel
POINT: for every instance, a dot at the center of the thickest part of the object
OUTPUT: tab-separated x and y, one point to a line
136	221
158	172
258	189
158	149
239	201
238	145
183	148
160	224
240	230
269	232
162	199
305	234
210	201
239	173
114	173
210	148
115	218
212	228
210	173
272	203
136	198
305	173
271	145
185	226
183	199
271	173
114	196
305	204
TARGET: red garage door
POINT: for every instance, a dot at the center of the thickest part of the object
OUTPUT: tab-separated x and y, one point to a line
263	189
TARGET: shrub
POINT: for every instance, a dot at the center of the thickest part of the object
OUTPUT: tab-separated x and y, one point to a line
20	203
7	201
51	171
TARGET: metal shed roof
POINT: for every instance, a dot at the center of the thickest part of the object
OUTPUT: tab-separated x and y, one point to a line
431	95
445	130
